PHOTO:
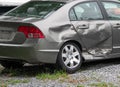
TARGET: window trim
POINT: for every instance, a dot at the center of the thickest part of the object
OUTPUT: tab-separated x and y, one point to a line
75	13
83	3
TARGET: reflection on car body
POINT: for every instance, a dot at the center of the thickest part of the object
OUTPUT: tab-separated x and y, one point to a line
64	32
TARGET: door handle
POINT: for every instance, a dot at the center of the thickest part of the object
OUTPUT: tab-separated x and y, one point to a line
116	25
83	26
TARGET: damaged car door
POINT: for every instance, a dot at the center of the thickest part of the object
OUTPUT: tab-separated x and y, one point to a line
113	12
93	30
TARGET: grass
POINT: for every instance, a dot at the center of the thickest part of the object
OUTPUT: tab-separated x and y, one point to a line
102	84
12	82
40	72
3	85
52	76
45	74
31	70
80	86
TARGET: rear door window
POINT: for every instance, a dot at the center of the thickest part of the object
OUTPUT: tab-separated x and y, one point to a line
86	11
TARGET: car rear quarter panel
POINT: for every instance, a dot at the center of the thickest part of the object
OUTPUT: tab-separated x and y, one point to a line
58	27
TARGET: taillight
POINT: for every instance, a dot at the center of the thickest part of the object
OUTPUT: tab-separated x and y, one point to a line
31	32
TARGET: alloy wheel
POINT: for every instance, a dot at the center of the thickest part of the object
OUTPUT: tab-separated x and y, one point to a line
71	56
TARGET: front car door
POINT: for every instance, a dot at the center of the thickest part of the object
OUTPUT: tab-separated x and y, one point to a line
94	31
113	13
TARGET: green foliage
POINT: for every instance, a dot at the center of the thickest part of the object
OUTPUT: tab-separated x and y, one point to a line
52	76
5	83
102	84
80	86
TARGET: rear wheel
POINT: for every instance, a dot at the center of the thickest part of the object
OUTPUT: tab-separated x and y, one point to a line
11	64
69	57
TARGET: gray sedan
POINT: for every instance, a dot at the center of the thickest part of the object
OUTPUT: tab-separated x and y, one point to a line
65	32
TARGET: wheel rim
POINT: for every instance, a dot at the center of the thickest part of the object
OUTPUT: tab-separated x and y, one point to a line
71	56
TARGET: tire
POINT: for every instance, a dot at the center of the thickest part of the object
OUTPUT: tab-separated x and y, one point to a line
11	64
69	57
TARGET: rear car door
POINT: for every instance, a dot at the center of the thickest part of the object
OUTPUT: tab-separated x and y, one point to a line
113	12
93	30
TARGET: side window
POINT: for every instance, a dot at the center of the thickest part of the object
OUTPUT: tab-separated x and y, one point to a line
86	11
113	10
72	15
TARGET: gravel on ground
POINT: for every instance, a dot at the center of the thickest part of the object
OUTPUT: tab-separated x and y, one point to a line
105	73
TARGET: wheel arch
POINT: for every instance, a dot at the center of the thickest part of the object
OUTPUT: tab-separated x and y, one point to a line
76	42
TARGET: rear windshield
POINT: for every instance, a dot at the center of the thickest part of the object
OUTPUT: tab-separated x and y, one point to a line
39	9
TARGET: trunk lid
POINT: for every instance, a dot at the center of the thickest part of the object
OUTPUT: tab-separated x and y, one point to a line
19	19
9	29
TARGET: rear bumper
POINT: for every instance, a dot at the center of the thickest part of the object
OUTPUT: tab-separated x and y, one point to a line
28	53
